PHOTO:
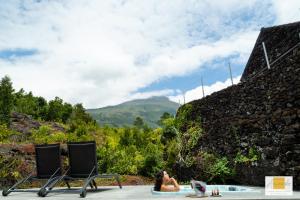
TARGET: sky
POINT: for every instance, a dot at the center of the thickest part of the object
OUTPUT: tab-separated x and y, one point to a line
106	52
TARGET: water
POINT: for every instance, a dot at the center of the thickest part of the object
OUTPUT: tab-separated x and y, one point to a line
186	189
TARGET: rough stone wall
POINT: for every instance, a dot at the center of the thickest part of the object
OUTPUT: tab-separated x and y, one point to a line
262	112
277	40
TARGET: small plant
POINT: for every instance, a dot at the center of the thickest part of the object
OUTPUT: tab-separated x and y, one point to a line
220	170
213	168
194	134
252	156
6	134
183	115
9	168
41	136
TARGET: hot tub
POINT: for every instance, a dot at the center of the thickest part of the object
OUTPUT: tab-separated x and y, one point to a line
223	189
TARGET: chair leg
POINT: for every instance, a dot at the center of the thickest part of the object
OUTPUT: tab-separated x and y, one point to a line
91	185
83	189
11	189
48	186
68	185
117	177
95	184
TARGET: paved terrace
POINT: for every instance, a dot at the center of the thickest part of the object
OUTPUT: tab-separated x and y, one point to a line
139	192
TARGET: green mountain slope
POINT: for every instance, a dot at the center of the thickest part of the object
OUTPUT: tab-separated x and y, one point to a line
124	114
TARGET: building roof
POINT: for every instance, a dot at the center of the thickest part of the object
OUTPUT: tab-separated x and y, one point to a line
278	40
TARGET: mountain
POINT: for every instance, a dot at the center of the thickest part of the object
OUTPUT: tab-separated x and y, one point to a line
149	109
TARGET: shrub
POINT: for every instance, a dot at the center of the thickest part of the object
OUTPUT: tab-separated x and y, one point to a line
5	133
252	156
8	169
213	168
41	136
172	151
220	170
153	160
58	137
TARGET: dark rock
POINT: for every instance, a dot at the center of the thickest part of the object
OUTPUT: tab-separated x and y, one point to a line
288	139
25	124
271	152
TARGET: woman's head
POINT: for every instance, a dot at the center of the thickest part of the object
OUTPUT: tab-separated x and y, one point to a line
166	177
161	177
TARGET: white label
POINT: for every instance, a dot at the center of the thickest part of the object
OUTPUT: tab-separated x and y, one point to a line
278	185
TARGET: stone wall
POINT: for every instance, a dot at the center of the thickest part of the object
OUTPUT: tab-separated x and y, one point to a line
278	40
261	112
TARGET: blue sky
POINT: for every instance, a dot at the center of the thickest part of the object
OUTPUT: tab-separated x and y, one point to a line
209	75
10	54
103	53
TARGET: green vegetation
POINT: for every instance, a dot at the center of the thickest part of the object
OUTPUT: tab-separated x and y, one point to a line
135	149
6	100
8	166
188	135
213	168
6	135
252	156
183	115
131	151
150	110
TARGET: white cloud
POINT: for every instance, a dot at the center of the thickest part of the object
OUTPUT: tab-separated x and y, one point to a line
286	11
197	93
102	52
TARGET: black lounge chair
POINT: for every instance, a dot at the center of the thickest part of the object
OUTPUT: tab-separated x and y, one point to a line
48	167
83	166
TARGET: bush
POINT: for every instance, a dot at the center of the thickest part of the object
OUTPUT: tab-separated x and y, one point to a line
41	136
214	169
252	156
131	151
169	130
172	151
153	160
220	170
58	137
9	169
5	133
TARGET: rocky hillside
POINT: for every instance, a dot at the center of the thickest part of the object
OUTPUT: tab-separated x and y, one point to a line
24	124
20	157
255	125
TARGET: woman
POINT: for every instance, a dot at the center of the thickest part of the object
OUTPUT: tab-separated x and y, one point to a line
164	183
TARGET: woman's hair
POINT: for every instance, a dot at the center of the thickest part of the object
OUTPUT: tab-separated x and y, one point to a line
159	180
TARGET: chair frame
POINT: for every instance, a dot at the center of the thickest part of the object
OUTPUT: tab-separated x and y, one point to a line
89	180
50	182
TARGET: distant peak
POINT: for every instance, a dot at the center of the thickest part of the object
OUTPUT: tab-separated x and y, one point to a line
159	98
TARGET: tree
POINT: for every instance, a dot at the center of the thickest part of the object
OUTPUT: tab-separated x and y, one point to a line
67	111
79	117
79	114
25	103
42	108
55	110
164	116
138	122
167	122
6	99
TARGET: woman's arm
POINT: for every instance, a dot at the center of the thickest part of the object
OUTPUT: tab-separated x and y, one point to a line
176	185
170	188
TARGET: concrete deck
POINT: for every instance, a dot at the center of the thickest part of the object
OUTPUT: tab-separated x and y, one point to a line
139	192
